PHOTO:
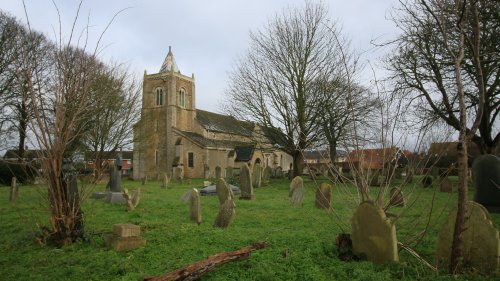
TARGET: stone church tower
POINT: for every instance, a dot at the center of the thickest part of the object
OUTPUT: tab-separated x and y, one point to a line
168	101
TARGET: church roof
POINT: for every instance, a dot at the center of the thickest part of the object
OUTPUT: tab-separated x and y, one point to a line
223	123
169	63
213	143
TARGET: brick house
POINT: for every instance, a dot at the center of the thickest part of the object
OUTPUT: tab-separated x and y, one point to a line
173	133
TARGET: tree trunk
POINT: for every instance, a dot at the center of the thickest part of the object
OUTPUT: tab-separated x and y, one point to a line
298	163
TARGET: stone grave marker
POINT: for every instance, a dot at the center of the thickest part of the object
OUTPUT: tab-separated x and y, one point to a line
227	207
179	173
218	172
486	170
229	172
373	235
426	181
445	185
324	196
266	175
297	191
132	200
256	175
278	172
13	190
246	187
206	171
396	198
165	181
195	206
481	246
144	180
125	237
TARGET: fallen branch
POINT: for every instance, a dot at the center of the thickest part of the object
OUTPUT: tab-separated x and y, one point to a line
198	269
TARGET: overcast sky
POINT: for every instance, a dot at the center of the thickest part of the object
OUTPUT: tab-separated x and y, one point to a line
206	36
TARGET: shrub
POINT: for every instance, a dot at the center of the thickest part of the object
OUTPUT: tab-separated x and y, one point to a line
24	173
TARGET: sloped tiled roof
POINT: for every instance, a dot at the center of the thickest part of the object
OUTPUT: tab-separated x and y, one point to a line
223	123
206	142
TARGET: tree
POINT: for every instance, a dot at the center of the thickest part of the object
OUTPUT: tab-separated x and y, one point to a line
453	67
114	110
423	69
274	83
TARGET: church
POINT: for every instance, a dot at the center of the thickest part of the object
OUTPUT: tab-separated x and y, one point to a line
173	137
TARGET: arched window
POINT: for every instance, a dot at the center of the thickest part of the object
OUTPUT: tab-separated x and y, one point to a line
159	96
182	101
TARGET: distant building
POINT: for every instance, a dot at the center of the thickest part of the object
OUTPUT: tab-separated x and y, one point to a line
109	158
172	133
375	158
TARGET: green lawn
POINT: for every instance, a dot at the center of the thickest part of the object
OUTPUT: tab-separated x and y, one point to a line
306	234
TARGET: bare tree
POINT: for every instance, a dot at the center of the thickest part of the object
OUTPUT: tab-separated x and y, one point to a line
274	83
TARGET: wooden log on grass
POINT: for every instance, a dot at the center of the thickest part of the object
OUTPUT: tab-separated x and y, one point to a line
197	269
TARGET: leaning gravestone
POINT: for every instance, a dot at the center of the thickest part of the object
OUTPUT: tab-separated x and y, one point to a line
396	197
297	191
256	175
445	185
195	206
227	206
266	175
481	243
373	234
218	172
486	170
324	196
246	186
165	181
13	190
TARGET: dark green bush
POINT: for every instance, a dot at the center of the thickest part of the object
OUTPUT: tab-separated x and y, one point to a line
24	173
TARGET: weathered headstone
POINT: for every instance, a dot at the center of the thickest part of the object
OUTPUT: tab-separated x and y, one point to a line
195	205
229	172
165	181
218	172
256	175
206	171
324	196
13	190
179	173
486	170
136	198
396	197
125	237
246	186
266	175
427	181
373	235
278	172
481	243
227	206
116	174
445	185
128	199
297	191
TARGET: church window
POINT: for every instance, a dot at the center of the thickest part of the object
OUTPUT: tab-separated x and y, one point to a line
182	101
157	157
159	96
190	159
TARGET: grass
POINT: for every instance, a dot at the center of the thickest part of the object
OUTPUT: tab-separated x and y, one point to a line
301	240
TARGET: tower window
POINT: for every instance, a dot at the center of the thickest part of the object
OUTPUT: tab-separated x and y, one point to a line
190	160
157	157
182	101
159	96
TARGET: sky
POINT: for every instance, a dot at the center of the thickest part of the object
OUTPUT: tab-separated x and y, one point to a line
207	37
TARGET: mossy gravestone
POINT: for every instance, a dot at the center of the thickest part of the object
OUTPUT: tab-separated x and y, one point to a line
227	206
481	241
229	172
266	175
486	170
257	175
373	235
297	191
445	185
195	206
324	196
218	172
246	187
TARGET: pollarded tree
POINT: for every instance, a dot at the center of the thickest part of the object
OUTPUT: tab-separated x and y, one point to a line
424	73
273	84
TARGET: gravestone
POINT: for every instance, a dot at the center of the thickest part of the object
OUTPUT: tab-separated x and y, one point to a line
195	206
297	191
396	198
229	172
427	181
144	180
246	186
481	243
125	237
218	172
486	170
323	196
13	190
256	175
373	235
206	171
128	199
266	175
227	207
445	185
179	173
116	175
278	172
165	181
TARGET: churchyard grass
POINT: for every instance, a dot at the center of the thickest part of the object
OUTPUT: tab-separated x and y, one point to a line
301	239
